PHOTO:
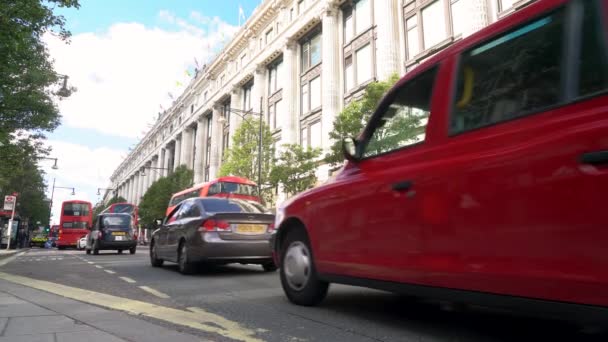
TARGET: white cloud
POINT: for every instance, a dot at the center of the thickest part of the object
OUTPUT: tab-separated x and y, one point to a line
82	168
124	73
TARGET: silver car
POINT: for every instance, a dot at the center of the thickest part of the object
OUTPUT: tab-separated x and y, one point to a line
214	230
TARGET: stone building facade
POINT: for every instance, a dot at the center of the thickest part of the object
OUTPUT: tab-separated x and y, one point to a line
298	62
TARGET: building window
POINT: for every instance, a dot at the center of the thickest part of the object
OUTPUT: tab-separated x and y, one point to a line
300	6
191	108
315	93
225	111
347	14
247	96
271	119
363	16
225	142
304	137
305	100
433	21
349	80
459	14
205	96
261	44
311	135
315	135
268	36
506	4
222	81
208	147
311	52
273	79
364	64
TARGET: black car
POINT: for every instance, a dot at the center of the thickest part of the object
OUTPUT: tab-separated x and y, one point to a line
112	231
214	230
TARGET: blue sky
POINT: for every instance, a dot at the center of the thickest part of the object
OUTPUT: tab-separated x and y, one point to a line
95	15
124	58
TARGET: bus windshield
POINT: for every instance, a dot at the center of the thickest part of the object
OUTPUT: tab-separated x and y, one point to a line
123	208
75	209
232	188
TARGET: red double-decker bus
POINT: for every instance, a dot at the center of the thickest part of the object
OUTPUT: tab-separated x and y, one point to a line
76	219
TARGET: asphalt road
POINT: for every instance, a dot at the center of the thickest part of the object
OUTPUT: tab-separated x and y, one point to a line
254	299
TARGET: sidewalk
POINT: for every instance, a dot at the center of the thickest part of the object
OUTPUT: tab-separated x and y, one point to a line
27	314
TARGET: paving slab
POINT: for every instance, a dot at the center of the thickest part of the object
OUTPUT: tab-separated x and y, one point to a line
42	325
88	336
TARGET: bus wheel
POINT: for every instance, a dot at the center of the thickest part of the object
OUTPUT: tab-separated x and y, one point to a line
120	251
132	250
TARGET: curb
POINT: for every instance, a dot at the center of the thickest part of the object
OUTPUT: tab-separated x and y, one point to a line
12	252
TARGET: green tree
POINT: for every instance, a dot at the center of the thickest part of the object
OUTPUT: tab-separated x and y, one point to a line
27	76
294	170
353	118
154	203
241	159
19	173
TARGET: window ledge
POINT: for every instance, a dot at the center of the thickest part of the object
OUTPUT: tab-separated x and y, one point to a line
432	50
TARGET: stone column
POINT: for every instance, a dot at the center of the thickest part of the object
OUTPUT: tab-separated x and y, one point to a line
157	171
330	70
177	152
388	52
477	17
137	188
144	174
199	157
236	102
186	148
289	82
259	85
162	161
168	158
216	143
128	190
131	188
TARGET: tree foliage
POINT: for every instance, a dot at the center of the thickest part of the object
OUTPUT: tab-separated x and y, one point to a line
19	173
156	199
294	170
241	159
26	70
353	118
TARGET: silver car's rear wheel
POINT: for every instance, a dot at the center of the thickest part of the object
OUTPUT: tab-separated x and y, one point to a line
297	265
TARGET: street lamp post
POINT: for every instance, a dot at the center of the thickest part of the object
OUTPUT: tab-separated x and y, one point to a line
52	195
64	91
242	114
54	167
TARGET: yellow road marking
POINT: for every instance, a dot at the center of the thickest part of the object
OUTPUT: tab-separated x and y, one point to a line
128	280
154	292
200	320
111	272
